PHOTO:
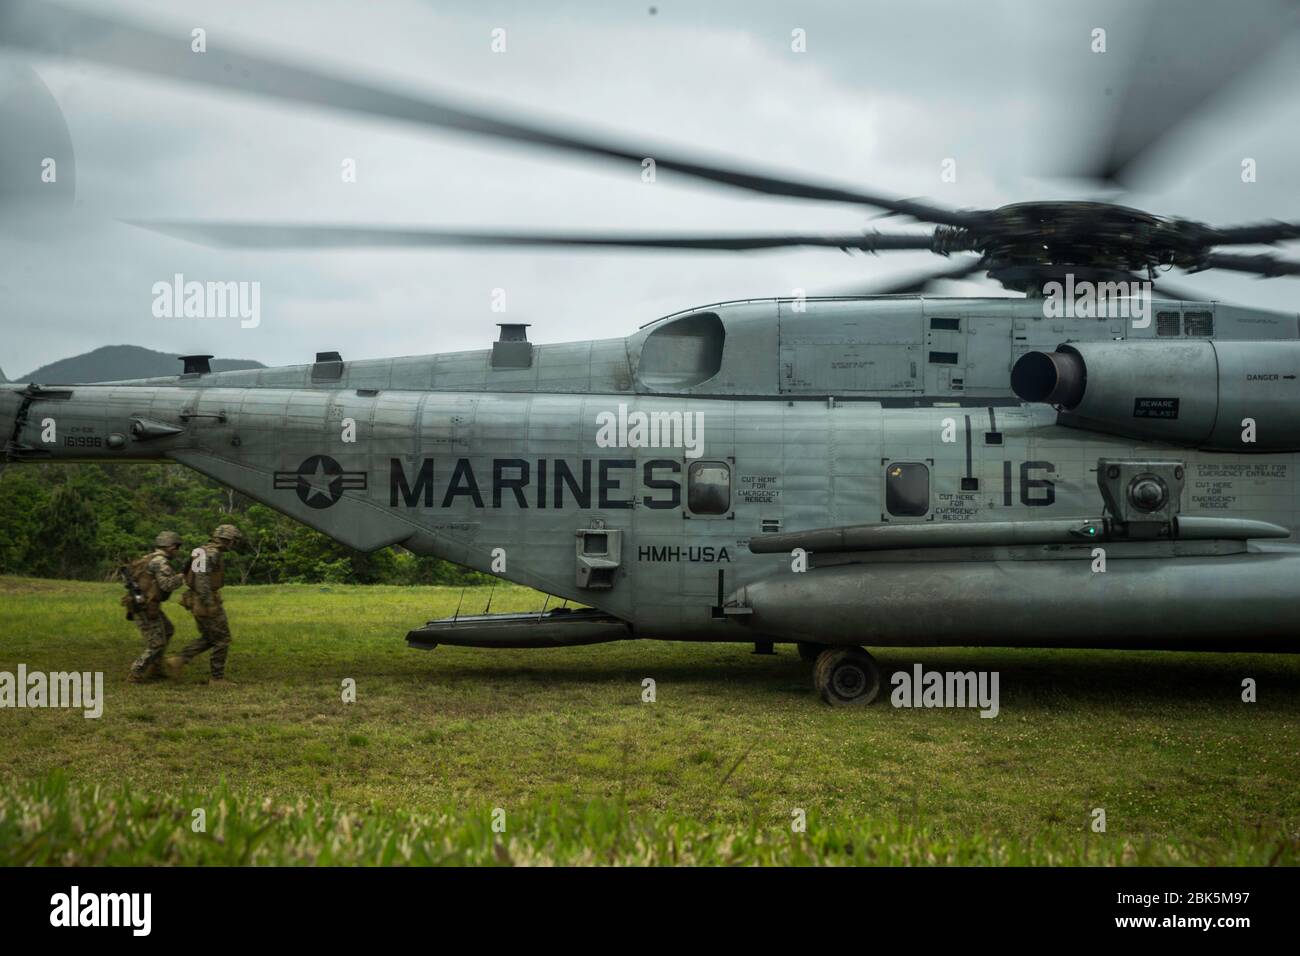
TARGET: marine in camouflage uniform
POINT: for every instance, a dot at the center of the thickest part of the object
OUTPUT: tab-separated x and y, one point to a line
156	585
203	600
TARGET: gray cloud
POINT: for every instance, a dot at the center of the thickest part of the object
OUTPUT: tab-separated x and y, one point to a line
883	95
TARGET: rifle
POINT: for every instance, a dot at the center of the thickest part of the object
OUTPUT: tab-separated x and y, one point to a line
134	598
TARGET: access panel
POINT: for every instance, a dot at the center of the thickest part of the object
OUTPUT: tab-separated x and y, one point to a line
843	348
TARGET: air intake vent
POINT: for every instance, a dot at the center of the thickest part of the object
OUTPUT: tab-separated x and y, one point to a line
1198	323
512	348
328	367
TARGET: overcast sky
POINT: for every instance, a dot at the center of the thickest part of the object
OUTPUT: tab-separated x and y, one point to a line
885	92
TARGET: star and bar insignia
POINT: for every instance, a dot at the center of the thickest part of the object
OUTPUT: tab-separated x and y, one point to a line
320	481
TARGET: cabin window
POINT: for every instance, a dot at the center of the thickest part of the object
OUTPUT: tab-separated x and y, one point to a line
907	489
1198	323
1168	323
708	487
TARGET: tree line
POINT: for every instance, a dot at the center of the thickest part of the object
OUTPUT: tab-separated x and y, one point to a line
85	521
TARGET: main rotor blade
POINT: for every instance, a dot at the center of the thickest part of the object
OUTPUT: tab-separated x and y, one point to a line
916	284
45	28
1186	52
1163	288
1259	233
1261	265
296	236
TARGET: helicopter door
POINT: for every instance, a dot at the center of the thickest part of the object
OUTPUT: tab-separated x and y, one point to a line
906	490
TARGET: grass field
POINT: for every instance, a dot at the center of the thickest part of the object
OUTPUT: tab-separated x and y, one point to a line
585	772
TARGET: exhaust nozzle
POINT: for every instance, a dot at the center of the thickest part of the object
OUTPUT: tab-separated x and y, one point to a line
1054	378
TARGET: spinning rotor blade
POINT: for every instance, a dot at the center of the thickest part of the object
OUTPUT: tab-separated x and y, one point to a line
1176	292
916	284
1263	266
1259	233
1174	64
272	236
45	28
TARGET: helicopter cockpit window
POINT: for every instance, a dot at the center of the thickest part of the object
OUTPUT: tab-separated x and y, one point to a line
907	489
708	487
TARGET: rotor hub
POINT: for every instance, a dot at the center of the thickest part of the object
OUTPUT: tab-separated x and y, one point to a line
1027	244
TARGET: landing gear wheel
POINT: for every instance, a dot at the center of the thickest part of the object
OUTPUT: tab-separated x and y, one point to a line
809	652
846	675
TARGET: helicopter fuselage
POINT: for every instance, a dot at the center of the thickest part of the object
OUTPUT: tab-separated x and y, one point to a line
631	475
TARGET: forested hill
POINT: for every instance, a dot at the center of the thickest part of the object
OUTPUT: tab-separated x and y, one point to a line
113	363
84	521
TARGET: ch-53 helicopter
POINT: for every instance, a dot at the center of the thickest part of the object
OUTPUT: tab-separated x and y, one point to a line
1109	469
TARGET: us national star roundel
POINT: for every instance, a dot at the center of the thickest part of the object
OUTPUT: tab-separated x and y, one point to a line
320	481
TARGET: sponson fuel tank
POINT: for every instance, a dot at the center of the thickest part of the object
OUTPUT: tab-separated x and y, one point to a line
1215	395
1232	596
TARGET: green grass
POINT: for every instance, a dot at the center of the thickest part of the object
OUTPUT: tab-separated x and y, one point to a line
586	772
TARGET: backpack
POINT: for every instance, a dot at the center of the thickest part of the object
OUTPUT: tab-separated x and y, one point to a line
138	580
144	579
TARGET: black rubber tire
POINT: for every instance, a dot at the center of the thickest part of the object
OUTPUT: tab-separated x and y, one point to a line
846	676
818	664
810	652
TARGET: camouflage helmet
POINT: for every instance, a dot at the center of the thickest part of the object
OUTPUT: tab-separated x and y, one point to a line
167	539
227	532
